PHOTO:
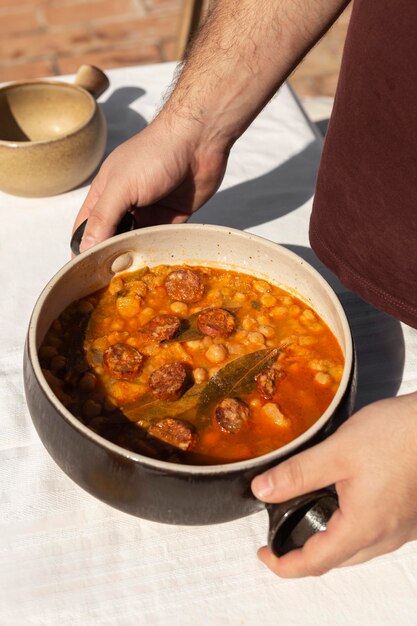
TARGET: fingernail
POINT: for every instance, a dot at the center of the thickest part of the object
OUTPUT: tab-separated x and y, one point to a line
87	242
263	486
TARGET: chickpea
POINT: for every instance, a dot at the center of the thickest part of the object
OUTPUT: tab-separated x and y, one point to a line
306	340
101	344
236	349
54	340
294	310
138	287
323	379
57	326
248	323
273	413
267	331
87	383
216	353
320	365
268	300
47	352
91	409
261	286
256	338
85	307
278	312
116	285
109	405
316	328
179	308
58	364
128	306
132	324
146	315
200	375
239	298
194	345
309	315
150	349
117	337
97	423
336	372
117	325
207	341
159	281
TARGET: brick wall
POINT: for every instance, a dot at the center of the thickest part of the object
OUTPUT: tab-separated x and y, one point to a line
52	37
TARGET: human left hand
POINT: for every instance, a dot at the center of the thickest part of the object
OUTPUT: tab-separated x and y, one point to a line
372	461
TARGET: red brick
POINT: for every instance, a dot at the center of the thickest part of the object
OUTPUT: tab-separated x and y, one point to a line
18	21
23	4
151	28
44	42
23	71
107	59
164	6
169	50
86	11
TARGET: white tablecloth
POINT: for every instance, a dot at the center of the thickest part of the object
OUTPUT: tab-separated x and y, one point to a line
67	558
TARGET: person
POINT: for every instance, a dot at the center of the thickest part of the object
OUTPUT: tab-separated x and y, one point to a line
362	225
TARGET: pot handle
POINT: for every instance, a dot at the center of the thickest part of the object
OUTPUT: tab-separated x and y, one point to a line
126	224
92	79
293	522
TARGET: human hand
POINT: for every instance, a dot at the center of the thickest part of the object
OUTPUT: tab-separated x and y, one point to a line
162	175
372	460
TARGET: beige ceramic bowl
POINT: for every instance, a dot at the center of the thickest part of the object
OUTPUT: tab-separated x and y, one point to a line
52	134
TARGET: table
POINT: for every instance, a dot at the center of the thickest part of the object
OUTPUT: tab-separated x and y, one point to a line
69	559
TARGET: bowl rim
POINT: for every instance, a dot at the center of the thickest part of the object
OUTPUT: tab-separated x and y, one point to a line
12	143
178	468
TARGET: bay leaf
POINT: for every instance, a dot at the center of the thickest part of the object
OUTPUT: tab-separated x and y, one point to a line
235	379
148	408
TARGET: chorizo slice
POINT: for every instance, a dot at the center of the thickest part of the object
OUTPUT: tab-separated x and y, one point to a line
123	361
170	381
266	383
215	322
231	415
162	327
175	432
184	285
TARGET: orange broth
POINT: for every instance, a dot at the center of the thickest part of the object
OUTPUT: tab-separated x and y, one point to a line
83	345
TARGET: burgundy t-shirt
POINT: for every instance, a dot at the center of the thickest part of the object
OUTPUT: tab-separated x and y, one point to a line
364	220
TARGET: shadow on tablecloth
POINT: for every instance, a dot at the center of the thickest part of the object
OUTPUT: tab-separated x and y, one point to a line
266	197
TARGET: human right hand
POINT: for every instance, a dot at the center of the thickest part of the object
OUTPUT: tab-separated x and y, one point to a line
372	461
162	175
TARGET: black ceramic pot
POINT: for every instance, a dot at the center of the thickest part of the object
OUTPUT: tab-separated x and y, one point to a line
168	492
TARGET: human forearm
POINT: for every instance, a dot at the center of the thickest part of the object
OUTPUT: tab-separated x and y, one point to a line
243	53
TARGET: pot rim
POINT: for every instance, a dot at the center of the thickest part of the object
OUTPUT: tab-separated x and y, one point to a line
166	466
12	143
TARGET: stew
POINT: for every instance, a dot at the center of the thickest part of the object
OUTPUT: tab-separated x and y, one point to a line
193	364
